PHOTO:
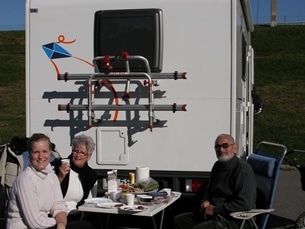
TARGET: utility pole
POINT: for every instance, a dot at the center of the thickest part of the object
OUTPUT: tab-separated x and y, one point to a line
273	18
257	10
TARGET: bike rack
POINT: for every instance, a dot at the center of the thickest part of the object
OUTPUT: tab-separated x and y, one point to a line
108	75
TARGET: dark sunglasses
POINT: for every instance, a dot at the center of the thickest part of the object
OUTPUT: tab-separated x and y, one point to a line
223	145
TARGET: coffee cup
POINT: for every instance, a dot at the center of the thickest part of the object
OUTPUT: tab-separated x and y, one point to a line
130	199
168	191
65	161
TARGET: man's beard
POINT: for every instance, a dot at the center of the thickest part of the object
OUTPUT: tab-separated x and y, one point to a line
224	158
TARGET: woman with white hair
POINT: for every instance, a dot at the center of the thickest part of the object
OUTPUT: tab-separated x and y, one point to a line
77	178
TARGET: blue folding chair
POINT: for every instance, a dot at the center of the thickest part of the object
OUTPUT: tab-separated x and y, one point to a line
266	163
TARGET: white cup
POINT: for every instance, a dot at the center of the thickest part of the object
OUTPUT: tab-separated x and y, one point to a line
130	199
115	196
67	161
168	191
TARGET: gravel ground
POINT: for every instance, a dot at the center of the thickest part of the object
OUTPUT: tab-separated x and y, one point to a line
289	201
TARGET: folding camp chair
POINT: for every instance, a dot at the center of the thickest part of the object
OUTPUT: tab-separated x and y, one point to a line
266	162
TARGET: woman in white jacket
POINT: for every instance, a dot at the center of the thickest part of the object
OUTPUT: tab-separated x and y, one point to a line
35	199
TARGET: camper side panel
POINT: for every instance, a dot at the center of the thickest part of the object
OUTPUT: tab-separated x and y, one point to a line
195	41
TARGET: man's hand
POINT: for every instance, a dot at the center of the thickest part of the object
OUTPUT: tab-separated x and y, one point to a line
205	204
208	209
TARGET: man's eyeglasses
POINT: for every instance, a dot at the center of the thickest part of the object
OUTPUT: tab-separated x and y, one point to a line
223	145
82	154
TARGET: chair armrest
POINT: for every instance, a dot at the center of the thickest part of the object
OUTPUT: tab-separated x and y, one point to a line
250	214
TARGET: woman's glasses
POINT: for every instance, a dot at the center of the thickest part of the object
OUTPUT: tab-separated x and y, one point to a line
223	145
76	152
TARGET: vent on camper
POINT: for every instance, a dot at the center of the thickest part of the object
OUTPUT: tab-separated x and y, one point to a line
136	31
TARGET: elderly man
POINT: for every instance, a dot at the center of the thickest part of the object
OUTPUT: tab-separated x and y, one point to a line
231	188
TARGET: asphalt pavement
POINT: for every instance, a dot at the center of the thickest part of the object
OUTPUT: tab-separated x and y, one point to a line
289	201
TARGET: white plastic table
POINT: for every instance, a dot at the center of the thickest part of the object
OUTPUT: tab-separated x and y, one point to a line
151	210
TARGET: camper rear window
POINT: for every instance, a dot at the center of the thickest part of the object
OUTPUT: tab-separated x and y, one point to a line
136	31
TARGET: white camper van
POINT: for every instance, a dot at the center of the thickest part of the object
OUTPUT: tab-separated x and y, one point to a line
152	82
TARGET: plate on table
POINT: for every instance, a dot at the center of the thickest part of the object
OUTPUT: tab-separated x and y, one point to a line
145	193
133	208
145	199
136	191
110	205
176	194
97	200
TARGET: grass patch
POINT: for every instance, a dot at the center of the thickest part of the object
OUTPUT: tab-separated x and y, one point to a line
12	85
280	81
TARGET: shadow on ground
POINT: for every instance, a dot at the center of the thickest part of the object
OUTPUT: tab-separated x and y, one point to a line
276	221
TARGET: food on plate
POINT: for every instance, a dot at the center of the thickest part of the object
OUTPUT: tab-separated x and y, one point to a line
134	208
118	205
130	188
140	207
146	185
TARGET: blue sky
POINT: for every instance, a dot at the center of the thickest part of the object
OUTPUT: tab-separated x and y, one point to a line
287	11
12	12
